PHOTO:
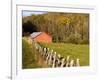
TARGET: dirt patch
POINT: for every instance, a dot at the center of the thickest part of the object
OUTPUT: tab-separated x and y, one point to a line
39	59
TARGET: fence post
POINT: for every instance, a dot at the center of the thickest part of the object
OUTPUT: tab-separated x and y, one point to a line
54	59
77	62
50	58
71	63
62	62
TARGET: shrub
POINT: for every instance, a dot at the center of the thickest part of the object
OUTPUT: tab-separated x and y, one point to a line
84	41
74	38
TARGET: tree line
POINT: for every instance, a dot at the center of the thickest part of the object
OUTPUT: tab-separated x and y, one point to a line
63	27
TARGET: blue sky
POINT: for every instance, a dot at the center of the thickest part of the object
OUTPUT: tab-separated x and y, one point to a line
29	13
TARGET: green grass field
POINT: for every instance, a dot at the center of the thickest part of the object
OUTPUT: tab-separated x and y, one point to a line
80	51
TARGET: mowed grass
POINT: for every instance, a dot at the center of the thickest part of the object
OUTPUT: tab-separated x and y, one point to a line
80	51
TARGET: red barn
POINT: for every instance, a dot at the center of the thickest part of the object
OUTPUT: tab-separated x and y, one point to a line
41	37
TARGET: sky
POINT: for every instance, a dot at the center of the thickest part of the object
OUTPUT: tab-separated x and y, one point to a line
29	13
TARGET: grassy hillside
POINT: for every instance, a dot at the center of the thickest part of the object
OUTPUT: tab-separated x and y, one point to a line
75	51
28	56
31	58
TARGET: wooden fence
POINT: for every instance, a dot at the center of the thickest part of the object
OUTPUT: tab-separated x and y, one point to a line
55	60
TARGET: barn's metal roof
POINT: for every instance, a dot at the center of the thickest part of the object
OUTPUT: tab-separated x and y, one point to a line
35	34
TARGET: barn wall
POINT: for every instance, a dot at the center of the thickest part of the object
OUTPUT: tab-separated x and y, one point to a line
43	37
